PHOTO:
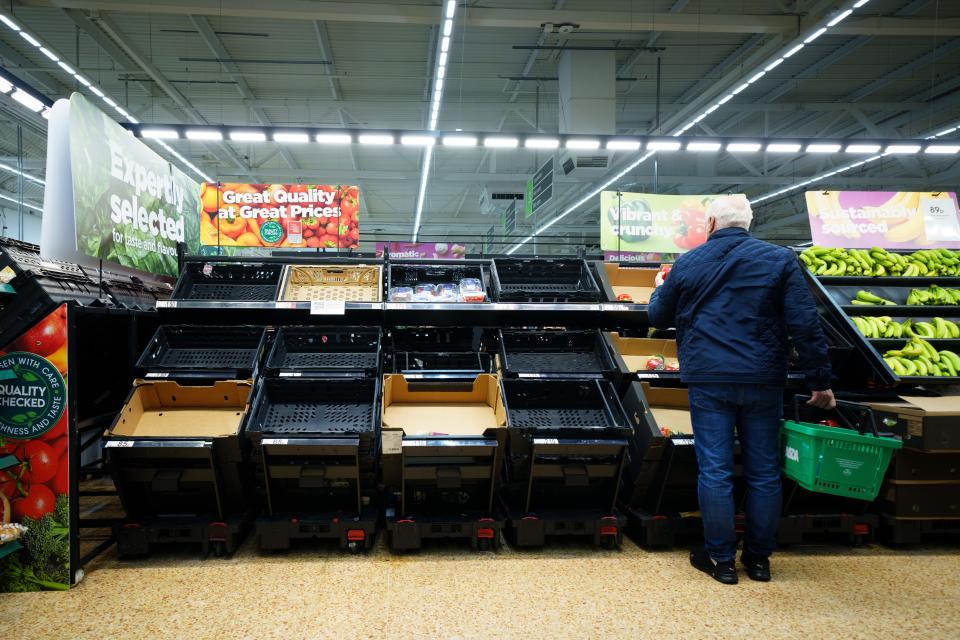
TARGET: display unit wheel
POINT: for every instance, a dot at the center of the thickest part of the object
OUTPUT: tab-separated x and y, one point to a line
484	544
609	542
218	548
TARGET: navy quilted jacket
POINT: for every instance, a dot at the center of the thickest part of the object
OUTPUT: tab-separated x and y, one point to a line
734	300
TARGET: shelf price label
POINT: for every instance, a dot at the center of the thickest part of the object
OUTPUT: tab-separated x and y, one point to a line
327	308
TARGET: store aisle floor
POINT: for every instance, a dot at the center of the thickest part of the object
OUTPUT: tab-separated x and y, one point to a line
447	592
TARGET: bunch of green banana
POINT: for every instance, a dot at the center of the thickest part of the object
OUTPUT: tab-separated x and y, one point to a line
878	326
866	298
933	262
918	358
934	295
825	261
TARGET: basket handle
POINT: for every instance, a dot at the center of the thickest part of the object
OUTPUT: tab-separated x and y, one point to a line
861	410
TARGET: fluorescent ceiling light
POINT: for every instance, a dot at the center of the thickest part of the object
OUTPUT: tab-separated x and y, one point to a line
773	65
447	27
96	91
621	144
501	142
903	148
541	143
756	77
445	44
840	18
49	54
27	100
67	68
663	145
727	98
703	146
333	138
375	138
711	109
860	4
740	89
81	80
10	23
204	134
122	112
945	132
442	60
816	34
943	148
783	147
295	137
248	136
699	118
159	134
822	148
5	87
794	50
743	147
459	141
582	143
109	101
441	72
29	38
451	8
417	141
862	148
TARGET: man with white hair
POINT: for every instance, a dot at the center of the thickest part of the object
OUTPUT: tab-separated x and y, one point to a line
734	300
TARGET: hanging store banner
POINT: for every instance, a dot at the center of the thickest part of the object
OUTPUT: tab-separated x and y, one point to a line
887	219
427	250
34	459
644	227
280	215
112	198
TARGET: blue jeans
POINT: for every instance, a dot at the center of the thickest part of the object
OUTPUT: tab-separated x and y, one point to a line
755	410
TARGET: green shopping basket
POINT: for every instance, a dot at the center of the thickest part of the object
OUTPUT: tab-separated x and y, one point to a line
835	460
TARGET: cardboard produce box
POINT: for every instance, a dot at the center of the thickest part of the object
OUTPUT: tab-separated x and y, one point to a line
638	283
670	409
924	423
168	410
921	499
632	354
921	465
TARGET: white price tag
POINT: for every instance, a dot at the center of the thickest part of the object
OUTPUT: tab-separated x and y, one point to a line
391	442
327	308
683	441
120	444
530	375
648	375
280	441
940	219
290	374
158	374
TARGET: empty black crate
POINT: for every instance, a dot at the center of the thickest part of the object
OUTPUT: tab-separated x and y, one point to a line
325	350
238	282
555	353
567	443
401	274
228	352
440	351
542	280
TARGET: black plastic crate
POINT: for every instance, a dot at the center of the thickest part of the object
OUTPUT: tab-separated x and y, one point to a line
134	293
467	363
563	404
315	406
225	352
543	280
403	274
321	350
555	354
237	282
436	339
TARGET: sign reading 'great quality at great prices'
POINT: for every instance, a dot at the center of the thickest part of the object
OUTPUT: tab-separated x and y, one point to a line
280	215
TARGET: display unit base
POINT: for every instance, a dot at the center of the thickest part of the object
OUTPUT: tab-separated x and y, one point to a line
534	530
138	537
409	533
662	531
354	534
854	529
909	531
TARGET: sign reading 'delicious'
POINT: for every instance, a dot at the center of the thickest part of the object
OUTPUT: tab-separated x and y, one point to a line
888	219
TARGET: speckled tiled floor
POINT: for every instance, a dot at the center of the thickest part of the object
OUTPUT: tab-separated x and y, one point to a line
448	592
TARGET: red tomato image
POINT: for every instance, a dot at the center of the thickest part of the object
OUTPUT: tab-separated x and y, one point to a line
314	242
42	462
43	338
349	204
8	483
57	431
60	483
331	228
38	502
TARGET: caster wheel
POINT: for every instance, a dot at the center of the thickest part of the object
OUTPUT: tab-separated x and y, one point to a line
608	542
218	548
484	544
354	548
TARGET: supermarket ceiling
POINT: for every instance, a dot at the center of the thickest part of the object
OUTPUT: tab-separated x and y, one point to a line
889	70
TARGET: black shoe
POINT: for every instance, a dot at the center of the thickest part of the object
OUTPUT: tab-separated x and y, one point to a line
758	567
724	572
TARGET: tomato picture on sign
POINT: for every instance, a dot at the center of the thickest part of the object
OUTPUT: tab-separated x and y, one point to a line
34	457
279	215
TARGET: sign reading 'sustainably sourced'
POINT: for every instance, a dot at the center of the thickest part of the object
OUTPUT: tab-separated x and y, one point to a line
131	206
888	219
318	216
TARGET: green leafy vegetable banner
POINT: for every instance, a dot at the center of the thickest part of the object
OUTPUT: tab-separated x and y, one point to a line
131	206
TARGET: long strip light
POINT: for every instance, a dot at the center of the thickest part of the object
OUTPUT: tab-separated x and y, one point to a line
30	100
20	202
440	73
15	171
790	49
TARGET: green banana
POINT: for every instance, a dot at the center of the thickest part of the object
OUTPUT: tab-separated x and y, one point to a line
952	357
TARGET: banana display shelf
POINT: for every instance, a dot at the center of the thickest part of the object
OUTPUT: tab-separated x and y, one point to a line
900	309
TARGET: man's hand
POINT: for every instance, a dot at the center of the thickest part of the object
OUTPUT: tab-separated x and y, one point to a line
658	280
822	399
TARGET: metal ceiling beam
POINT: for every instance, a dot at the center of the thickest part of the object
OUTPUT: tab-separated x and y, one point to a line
532	57
40	80
326	53
624	69
217	49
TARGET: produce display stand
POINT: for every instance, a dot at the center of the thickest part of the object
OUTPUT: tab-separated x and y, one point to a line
314	431
439	353
555	354
176	451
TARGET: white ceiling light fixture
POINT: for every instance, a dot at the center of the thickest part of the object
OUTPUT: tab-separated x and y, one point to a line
743	147
727	98
622	144
29	38
860	3
704	146
204	134
943	149
756	77
582	143
862	148
902	148
17	172
945	132
822	147
840	18
459	141
451	8
5	87
445	44
27	100
417	140
447	27
541	143
248	136
160	134
663	145
291	137
740	89
773	65
96	91
333	138
794	51
20	202
10	23
501	142
816	34
784	147
49	54
109	101
375	138
63	65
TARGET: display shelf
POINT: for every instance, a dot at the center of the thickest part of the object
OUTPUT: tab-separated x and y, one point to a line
901	281
912	311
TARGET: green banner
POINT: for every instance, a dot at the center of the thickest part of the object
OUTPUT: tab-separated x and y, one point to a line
131	206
